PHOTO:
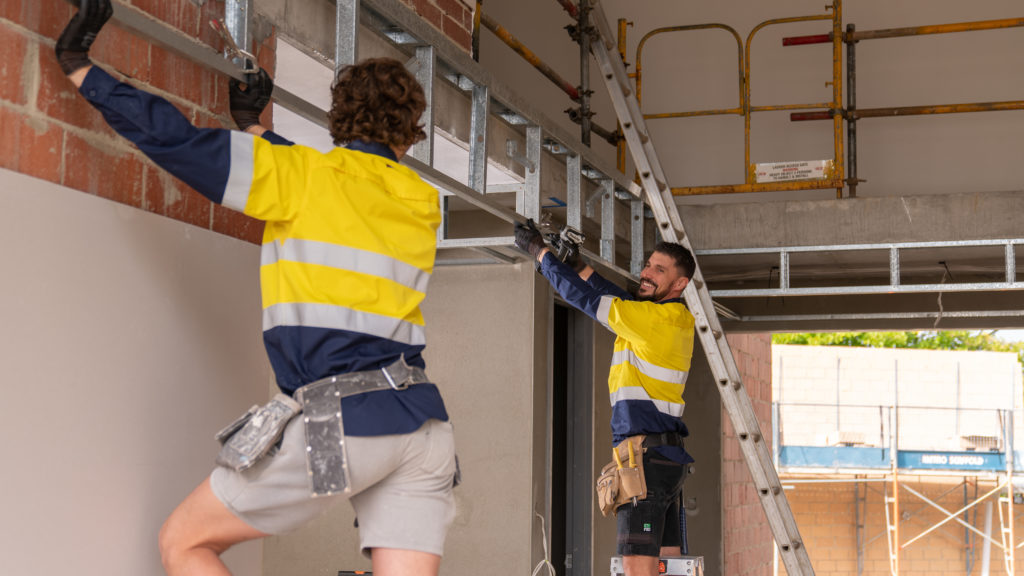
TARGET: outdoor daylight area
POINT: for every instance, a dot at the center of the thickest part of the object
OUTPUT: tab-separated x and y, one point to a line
909	438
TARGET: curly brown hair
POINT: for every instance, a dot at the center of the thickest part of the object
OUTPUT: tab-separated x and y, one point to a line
377	100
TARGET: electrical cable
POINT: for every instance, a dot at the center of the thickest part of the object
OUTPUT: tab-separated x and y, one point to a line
544	541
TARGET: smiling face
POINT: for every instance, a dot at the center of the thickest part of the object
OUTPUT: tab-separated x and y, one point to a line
661	279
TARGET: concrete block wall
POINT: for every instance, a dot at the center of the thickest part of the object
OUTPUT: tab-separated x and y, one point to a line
51	133
746	537
831	540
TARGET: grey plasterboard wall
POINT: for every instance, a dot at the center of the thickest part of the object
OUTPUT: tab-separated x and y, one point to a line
129	339
604	539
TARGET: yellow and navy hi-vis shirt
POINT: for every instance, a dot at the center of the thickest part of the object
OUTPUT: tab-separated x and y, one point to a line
348	246
651	354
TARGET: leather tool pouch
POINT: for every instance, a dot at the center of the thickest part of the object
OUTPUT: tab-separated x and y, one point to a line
607	488
622	480
252	436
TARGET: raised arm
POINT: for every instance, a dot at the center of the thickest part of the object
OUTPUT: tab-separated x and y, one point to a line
229	167
578	284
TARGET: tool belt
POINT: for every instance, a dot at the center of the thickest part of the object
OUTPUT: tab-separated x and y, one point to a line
622	480
257	432
664	439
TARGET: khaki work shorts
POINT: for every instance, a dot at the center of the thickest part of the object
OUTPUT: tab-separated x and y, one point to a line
401	488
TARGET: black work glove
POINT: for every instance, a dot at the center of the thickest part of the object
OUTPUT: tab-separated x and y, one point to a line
528	238
74	42
248	100
573	258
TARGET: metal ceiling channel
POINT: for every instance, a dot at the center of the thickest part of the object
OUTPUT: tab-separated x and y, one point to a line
489	96
894	285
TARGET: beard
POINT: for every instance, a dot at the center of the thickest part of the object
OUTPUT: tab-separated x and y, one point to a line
652	296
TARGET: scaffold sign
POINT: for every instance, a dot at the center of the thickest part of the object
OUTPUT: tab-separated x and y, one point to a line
787	171
952	460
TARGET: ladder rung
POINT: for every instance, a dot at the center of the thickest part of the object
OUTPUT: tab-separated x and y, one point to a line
626	90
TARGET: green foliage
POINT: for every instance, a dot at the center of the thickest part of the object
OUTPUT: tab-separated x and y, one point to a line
942	340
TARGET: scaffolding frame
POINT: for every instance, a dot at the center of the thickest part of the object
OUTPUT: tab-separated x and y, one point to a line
833	177
833	111
895	484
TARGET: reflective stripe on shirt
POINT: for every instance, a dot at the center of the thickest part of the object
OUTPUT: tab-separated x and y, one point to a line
345	258
341	318
604	308
236	192
649	369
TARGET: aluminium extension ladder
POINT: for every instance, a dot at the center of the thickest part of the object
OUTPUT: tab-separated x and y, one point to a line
698	300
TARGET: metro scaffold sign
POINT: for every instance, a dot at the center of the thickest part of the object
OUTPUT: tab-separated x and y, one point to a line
952	460
789	171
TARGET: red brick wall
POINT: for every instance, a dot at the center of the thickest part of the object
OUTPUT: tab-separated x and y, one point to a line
747	540
452	17
51	133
